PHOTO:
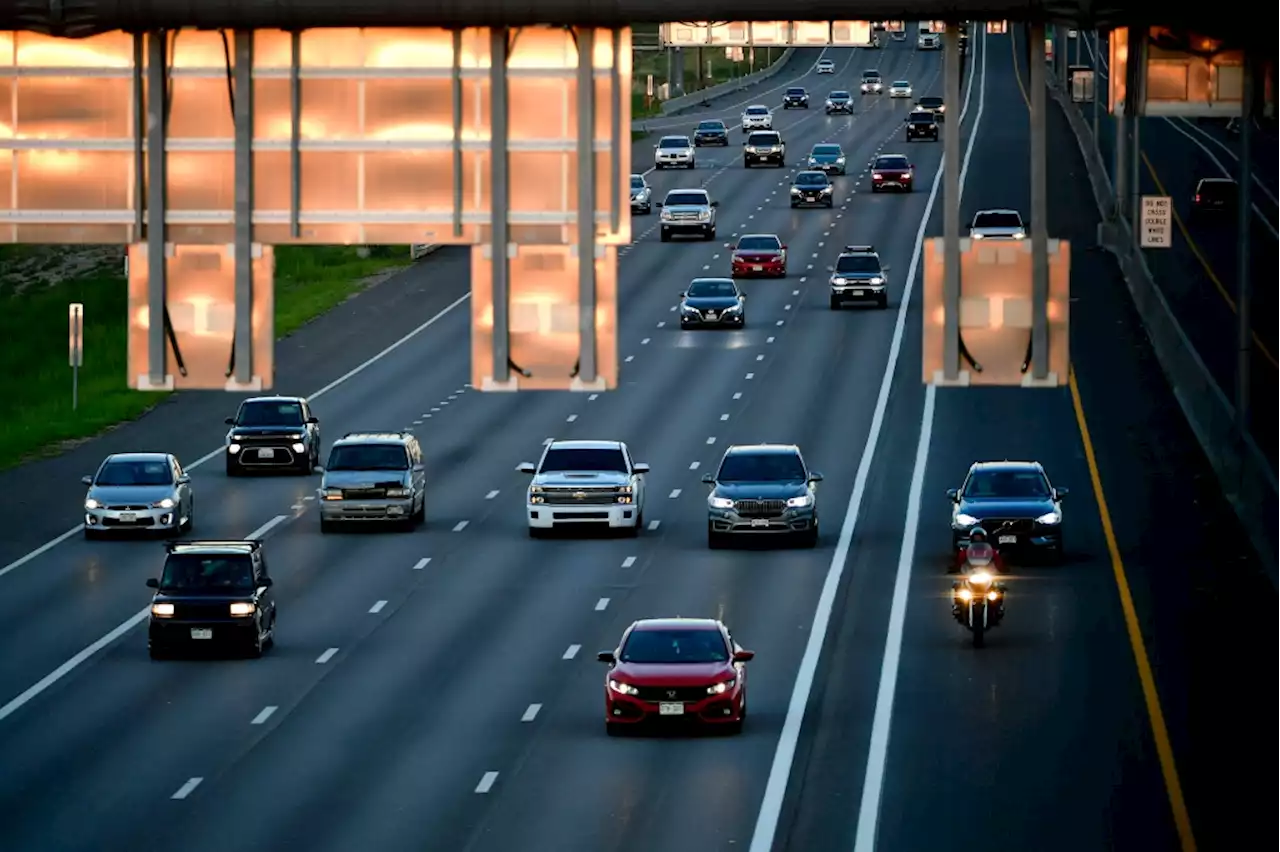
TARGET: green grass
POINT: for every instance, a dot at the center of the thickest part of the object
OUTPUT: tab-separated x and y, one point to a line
654	62
35	379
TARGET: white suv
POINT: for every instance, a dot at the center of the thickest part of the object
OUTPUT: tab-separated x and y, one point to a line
757	117
673	152
825	66
585	482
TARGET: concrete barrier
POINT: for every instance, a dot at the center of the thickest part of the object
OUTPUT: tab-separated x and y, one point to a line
421	250
673	106
1241	467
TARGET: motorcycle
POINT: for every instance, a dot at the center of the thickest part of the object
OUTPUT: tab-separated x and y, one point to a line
978	604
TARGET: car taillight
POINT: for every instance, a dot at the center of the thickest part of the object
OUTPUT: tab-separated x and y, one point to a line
1197	198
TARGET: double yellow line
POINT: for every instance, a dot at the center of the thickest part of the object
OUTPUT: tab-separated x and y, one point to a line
1146	676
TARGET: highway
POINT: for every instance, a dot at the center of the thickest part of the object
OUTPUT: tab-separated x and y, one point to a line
438	690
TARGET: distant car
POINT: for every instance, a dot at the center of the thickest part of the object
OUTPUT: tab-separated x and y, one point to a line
593	483
759	254
756	117
928	41
827	157
812	188
641	195
933	104
872	84
997	225
676	669
374	478
688	212
212	593
762	489
272	433
900	89
673	152
858	276
1215	197
710	132
795	96
1014	502
921	124
715	302
839	101
825	66
898	35
892	171
764	146
139	492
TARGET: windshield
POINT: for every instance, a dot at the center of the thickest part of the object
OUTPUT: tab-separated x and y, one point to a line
922	117
892	163
368	457
858	263
901	84
675	646
1217	189
674	142
711	125
759	244
757	110
931	102
761	467
811	179
826	150
1016	484
795	91
581	459
835	96
870	75
698	199
213	574
270	414
136	473
763	139
712	289
997	220
637	182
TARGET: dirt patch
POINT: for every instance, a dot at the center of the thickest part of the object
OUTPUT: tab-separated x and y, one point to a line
31	267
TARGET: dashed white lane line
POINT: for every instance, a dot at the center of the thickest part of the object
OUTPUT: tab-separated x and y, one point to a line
750	376
759	357
264	715
737	395
711	440
444	402
435	411
602	604
786	307
486	782
571	652
491	494
672	309
326	656
724	417
308	498
820	245
571	418
815	254
297	507
628	562
531	713
596	396
694	465
453	396
645	342
629	359
422	563
705	267
797	292
186	789
768	340
460	526
810	266
662	324
675	492
653	525
417	423
377	607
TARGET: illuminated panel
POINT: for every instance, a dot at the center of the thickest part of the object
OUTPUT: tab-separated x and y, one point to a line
896	26
810	32
544	316
997	27
850	33
731	33
689	33
995	309
1185	75
770	33
202	311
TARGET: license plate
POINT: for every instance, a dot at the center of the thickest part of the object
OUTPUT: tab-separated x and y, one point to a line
1007	539
202	633
670	709
759	522
711	315
127	517
858	292
266	454
757	268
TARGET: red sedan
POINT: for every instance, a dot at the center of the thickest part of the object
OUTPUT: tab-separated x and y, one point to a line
759	254
892	171
675	669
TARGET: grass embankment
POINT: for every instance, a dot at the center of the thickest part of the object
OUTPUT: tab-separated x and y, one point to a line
723	69
35	379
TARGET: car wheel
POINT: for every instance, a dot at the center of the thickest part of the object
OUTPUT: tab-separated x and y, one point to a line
185	526
733	728
809	538
90	534
326	526
746	164
232	468
613	729
883	301
256	645
830	205
657	167
710	235
1057	553
691	165
835	303
420	516
537	532
794	205
156	652
715	540
665	236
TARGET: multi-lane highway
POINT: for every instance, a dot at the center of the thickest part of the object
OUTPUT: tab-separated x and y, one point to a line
438	690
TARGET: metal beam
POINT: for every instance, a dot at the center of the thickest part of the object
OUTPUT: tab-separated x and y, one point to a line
242	109
1244	283
295	134
1134	99
587	207
455	88
1039	214
951	206
500	199
615	135
157	181
139	137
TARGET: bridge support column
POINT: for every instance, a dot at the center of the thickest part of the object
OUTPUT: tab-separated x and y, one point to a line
1244	293
157	377
587	376
1039	218
676	80
500	195
1134	98
240	370
951	207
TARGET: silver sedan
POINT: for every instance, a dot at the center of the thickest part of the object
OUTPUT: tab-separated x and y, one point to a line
138	492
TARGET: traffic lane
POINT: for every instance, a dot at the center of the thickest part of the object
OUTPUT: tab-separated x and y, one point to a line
1225	147
1152	469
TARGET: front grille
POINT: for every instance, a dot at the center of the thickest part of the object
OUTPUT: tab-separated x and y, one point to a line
364	493
128	508
671	693
760	508
685	217
202	611
598	496
757	258
280	455
1011	526
143	521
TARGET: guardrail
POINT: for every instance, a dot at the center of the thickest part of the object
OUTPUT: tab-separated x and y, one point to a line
1241	468
421	250
673	106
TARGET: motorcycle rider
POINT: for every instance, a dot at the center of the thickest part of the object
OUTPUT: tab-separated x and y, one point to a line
978	553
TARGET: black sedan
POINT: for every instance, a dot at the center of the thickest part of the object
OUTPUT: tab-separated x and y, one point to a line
1014	502
795	96
711	133
812	188
713	302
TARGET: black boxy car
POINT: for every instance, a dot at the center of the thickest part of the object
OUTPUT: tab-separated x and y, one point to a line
710	132
795	96
922	125
212	594
1015	504
272	433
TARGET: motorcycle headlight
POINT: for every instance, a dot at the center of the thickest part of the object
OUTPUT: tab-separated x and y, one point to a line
91	503
623	688
722	687
963	520
993	595
166	503
1054	517
979	578
802	502
720	502
964	595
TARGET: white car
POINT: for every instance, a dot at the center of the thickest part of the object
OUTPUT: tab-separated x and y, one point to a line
929	41
757	117
997	225
673	152
585	482
900	89
825	66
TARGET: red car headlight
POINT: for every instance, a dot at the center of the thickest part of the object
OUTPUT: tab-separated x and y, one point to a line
623	688
722	687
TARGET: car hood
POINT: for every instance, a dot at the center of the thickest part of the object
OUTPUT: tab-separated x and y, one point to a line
839	100
571	478
857	276
1025	508
264	431
796	96
761	253
703	303
179	596
636	192
687	208
129	494
761	490
1007	233
672	674
685	150
363	478
711	131
811	187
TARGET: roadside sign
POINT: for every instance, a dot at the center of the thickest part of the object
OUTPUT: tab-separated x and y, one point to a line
75	334
1156	229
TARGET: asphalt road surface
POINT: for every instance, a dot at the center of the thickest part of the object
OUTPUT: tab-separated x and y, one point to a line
438	690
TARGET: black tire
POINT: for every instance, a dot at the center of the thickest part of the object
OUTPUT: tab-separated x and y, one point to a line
882	302
90	535
537	532
794	205
746	164
709	235
979	633
835	303
715	540
808	539
256	646
233	469
185	526
327	527
613	729
665	236
157	652
733	729
831	205
420	516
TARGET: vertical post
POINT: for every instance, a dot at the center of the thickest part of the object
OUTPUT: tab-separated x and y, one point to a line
586	205
1120	171
1097	90
1244	284
951	206
677	74
157	121
500	194
295	134
139	135
1039	218
1134	99
615	133
76	335
242	357
1079	39
455	88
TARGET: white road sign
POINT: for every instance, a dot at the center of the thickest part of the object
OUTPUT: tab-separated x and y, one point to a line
1156	228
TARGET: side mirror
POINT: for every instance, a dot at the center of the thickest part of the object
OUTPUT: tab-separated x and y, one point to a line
743	656
526	467
953	494
153	583
313	421
606	657
184	479
814	476
266	583
709	478
744	143
1061	492
715	204
682	294
657	204
86	480
230	421
640	468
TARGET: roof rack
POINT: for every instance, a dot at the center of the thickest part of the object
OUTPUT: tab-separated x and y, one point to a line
398	433
861	249
246	543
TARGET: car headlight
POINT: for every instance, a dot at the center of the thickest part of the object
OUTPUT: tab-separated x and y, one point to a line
166	503
666	215
299	447
332	493
829	103
704	215
733	308
826	190
623	688
720	502
876	280
91	503
840	161
964	520
839	280
398	492
1020	236
977	236
241	609
804	501
162	610
722	687
795	190
1054	517
297	436
233	448
877	176
812	161
685	309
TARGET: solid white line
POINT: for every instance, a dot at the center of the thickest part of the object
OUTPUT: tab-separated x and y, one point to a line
185	789
780	772
207	457
531	713
675	492
377	607
267	527
653	525
486	782
628	562
326	656
571	652
602	604
491	494
460	526
422	563
262	717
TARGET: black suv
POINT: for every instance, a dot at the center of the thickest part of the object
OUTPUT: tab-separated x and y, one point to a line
933	104
764	146
212	593
1014	502
921	124
273	433
812	187
710	132
795	96
762	489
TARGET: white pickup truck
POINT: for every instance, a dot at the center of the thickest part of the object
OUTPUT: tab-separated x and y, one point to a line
585	482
